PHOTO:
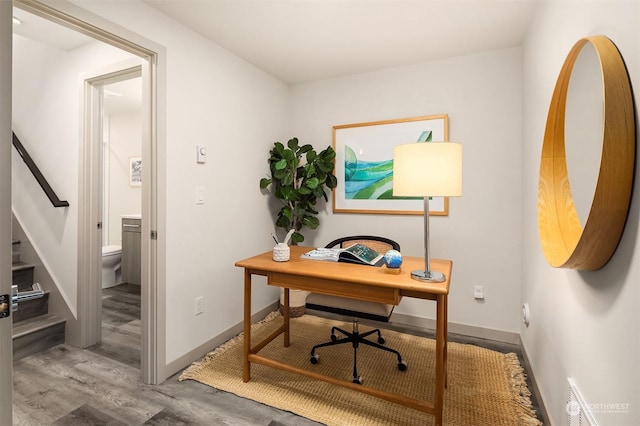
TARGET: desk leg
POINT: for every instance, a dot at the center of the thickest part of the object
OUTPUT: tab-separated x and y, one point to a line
246	374
287	338
441	356
446	339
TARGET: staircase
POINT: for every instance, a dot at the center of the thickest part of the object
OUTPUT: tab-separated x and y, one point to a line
34	329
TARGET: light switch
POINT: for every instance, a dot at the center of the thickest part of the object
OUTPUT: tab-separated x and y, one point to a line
199	194
201	154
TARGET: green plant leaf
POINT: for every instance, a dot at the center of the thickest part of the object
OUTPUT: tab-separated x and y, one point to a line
280	175
289	194
283	222
329	155
332	181
289	155
297	238
325	166
310	170
299	211
311	156
311	222
264	182
280	165
293	144
288	178
312	183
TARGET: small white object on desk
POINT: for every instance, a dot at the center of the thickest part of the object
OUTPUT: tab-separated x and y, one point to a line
281	252
330	254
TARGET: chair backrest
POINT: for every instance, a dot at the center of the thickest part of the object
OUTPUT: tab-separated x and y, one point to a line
379	244
354	307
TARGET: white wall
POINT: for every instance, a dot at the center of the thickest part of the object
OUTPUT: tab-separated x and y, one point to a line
482	96
215	99
125	137
584	325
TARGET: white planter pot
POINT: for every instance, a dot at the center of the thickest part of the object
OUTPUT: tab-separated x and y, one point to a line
297	302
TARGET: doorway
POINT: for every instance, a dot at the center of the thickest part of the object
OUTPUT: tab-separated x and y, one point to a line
121	189
87	327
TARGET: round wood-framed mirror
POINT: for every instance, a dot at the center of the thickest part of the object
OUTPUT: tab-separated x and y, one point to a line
566	243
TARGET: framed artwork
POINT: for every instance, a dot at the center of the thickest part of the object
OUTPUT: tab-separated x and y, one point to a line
364	165
135	171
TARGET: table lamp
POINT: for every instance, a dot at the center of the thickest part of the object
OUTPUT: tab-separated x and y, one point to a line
428	169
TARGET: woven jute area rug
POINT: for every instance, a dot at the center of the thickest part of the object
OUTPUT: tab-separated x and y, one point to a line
484	387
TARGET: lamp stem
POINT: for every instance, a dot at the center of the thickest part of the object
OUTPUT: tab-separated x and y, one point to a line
427	237
427	274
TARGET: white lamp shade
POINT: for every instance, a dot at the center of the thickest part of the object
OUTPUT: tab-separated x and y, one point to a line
427	169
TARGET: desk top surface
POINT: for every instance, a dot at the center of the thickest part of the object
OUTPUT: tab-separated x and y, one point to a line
348	272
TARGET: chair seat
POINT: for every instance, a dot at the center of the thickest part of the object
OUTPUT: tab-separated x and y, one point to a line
345	306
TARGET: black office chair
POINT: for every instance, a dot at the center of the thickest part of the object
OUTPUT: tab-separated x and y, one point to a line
356	308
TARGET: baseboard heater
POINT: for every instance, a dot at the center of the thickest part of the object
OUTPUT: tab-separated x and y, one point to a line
577	408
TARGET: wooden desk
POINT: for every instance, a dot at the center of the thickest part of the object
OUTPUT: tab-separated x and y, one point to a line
357	282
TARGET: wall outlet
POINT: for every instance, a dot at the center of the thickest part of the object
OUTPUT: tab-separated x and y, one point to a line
199	305
526	314
478	292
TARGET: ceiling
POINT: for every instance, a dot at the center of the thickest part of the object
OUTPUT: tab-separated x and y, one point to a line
305	40
39	29
121	97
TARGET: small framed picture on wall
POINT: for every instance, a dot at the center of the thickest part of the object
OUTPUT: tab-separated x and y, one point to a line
135	171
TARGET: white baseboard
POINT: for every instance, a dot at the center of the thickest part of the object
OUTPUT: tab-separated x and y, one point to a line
185	360
464	329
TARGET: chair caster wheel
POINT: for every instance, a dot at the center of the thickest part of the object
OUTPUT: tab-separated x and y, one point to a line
314	359
358	380
334	338
381	340
402	365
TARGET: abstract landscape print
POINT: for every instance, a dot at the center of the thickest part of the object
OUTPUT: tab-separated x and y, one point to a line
364	164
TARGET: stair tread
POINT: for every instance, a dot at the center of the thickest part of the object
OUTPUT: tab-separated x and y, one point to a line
40	322
15	242
19	266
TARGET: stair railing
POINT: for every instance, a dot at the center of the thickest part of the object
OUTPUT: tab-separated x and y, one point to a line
38	174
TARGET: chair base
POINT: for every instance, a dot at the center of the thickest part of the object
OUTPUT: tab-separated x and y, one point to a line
356	338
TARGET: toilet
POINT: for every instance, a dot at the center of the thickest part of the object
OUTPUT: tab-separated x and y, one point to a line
111	272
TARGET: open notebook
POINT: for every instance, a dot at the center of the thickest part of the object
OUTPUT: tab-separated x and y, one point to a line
357	253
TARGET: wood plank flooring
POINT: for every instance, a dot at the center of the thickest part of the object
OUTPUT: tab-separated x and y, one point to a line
101	385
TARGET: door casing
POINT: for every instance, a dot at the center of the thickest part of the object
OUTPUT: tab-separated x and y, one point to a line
153	322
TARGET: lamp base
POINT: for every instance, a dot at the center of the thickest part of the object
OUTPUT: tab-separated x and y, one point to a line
428	276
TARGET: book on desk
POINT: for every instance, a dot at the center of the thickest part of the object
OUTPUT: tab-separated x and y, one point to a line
357	253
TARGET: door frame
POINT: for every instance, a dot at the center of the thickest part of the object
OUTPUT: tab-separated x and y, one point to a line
91	184
6	339
153	295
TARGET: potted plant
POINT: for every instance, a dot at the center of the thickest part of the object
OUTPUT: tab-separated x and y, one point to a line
299	176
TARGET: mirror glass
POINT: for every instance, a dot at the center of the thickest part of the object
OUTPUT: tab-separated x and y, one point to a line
584	129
